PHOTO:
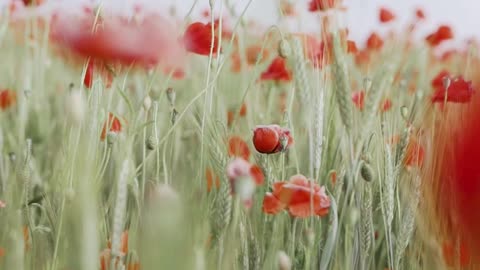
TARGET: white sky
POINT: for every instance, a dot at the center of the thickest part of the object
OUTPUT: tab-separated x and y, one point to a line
361	17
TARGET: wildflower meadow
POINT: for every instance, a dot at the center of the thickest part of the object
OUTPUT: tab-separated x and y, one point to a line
152	140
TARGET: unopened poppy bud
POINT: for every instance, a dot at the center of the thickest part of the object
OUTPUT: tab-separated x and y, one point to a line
265	139
284	262
147	103
284	49
271	139
366	172
283	143
404	112
111	138
152	143
171	96
446	82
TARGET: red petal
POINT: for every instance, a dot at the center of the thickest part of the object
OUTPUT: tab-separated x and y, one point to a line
271	205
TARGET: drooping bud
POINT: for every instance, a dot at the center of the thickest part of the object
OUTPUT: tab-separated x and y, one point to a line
147	103
284	49
171	96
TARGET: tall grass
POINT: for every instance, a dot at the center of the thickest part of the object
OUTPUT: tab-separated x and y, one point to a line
71	196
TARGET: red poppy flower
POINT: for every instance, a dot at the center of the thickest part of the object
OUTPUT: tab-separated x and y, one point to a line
115	126
257	173
444	32
386	105
358	98
7	98
277	71
299	195
386	15
322	5
149	42
420	14
237	147
351	47
268	139
437	82
198	39
459	91
374	42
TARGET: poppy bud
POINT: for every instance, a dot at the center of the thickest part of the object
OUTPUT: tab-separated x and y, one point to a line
152	143
366	172
271	139
171	96
111	138
404	112
446	82
284	49
265	139
147	103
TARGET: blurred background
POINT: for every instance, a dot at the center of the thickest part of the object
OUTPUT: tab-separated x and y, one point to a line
362	15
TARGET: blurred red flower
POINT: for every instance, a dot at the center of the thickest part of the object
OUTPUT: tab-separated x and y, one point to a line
7	98
237	147
198	39
437	81
277	71
420	14
444	32
358	98
385	15
322	5
374	42
386	105
459	91
148	42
